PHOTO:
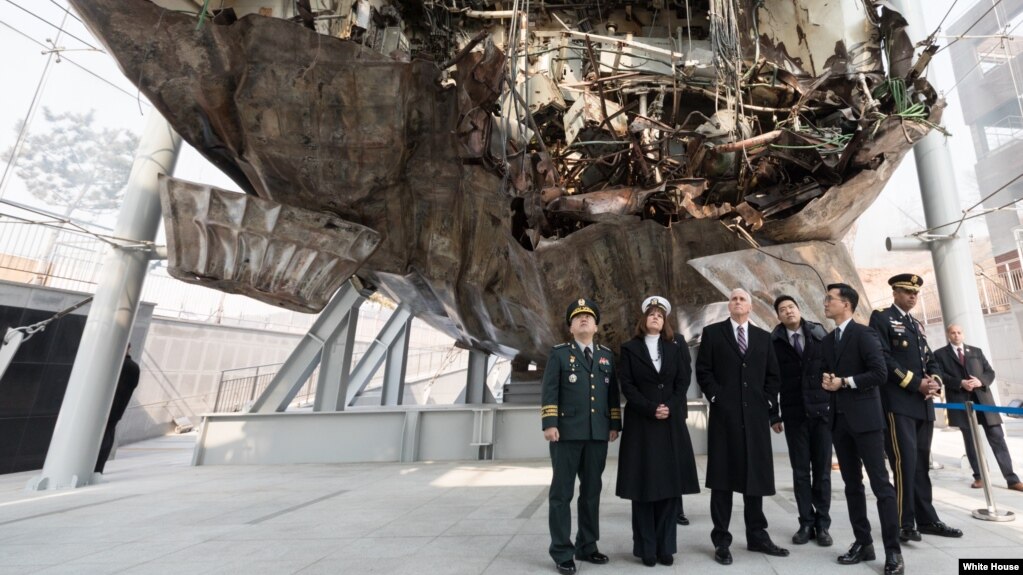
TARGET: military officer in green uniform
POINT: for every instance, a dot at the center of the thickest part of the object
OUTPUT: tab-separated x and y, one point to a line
581	412
914	380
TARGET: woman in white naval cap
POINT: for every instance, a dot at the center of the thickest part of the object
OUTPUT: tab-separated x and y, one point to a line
655	462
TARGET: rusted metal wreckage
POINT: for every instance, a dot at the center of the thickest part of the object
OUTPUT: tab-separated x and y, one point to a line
488	162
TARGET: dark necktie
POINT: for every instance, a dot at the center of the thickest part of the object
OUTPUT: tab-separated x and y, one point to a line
741	336
838	336
962	359
910	323
797	344
589	357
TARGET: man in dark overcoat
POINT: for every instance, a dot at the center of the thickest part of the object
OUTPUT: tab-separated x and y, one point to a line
737	371
581	413
914	380
805	419
854	368
968	377
127	381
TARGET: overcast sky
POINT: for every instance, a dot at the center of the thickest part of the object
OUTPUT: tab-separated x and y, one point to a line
101	86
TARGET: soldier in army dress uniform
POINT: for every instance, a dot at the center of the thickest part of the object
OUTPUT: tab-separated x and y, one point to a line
581	413
914	380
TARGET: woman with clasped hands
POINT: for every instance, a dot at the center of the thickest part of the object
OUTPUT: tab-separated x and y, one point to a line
655	462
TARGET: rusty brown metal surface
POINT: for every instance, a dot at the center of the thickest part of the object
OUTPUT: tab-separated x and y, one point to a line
494	206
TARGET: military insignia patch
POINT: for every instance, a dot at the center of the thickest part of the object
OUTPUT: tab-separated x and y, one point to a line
572	378
581	302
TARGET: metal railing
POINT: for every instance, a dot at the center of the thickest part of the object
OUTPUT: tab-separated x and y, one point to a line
997	291
68	258
239	387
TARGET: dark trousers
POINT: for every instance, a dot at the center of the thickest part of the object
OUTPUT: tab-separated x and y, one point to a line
909	454
106	446
996	438
569	459
809	442
721	515
653	528
857	451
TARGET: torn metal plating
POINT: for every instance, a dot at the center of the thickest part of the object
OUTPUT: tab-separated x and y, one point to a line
510	160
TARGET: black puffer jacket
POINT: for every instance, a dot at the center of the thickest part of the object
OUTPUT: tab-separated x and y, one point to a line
801	393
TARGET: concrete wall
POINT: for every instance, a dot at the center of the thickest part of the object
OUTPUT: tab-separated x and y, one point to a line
181	365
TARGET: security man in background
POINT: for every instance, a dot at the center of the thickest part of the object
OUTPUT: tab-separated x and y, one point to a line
914	380
581	413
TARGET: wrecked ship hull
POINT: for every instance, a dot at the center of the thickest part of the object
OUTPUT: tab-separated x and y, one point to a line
486	247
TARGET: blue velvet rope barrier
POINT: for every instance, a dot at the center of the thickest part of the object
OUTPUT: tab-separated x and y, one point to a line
979	407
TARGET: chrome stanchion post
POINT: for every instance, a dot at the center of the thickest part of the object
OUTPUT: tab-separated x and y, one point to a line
991	513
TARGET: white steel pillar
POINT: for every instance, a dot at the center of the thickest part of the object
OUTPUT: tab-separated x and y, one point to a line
953	263
394	366
71	457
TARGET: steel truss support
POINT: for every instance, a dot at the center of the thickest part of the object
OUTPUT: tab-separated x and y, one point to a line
476	391
327	333
391	344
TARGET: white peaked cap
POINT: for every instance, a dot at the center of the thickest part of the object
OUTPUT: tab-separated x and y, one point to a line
657	301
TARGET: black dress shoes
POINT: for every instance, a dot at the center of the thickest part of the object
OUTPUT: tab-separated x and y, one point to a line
596	557
858	552
893	564
804	535
824	538
682	519
649	561
910	535
665	559
939	528
566	567
768	547
723	556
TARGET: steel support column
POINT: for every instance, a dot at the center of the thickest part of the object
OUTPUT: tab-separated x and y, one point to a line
71	458
394	366
336	362
307	354
476	391
953	264
371	361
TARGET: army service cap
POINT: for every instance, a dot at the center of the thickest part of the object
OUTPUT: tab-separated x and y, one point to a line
582	305
908	282
656	300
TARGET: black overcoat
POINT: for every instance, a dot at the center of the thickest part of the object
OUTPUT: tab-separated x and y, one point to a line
955	372
743	393
655	460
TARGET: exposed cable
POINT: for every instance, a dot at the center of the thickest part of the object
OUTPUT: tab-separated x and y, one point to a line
51	24
32	107
70	61
994	4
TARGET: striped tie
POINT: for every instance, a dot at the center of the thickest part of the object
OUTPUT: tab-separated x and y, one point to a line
741	334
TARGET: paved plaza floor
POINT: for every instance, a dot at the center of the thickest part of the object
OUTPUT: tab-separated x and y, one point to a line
157	514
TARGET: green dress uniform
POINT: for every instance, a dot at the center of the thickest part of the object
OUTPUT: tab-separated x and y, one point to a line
581	399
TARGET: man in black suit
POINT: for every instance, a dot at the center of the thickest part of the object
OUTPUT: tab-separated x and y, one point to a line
805	419
854	368
738	373
968	377
914	380
126	384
